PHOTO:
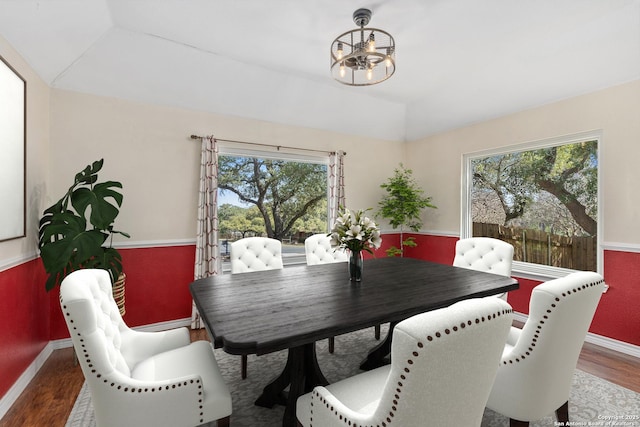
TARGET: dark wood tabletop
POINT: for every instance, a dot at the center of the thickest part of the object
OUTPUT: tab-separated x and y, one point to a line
266	311
292	308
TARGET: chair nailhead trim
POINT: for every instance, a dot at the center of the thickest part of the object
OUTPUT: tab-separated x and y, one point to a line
123	387
403	377
536	335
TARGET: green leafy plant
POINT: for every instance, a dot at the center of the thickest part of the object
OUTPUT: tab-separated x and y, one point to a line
402	206
73	231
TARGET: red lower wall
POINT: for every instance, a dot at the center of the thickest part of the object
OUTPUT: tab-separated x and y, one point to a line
430	248
24	320
156	287
617	316
157	290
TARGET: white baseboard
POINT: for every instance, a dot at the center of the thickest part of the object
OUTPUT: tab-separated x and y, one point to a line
163	326
606	342
18	387
21	384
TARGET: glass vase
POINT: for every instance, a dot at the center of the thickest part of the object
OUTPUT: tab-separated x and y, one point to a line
356	263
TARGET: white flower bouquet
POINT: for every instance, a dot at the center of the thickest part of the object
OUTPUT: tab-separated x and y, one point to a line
355	231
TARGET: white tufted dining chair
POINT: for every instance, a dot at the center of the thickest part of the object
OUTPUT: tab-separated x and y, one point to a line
318	250
254	254
536	371
485	254
443	364
139	378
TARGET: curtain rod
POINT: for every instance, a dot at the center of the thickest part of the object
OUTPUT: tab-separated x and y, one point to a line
278	147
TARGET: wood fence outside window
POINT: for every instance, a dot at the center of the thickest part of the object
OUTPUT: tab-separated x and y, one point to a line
539	247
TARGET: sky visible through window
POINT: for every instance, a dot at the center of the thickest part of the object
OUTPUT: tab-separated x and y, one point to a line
229	198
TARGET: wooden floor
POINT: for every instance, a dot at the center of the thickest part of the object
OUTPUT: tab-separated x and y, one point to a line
48	399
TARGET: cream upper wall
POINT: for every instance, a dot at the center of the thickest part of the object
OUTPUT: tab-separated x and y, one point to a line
148	149
437	160
17	250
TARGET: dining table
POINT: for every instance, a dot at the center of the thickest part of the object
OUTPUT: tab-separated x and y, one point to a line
293	307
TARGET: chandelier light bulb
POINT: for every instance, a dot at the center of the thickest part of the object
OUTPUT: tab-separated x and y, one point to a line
370	72
340	52
372	43
343	71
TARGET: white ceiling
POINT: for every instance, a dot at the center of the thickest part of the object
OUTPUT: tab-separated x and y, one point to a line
458	61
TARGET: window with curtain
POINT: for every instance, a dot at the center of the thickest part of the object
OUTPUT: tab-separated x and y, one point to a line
277	195
542	197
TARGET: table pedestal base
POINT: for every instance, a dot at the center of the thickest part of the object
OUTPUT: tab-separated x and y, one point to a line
301	373
380	354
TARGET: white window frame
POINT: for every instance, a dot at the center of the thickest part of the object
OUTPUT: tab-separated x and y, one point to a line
520	268
320	159
228	150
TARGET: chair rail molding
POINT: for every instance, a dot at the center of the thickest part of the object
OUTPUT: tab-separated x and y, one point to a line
621	247
9	263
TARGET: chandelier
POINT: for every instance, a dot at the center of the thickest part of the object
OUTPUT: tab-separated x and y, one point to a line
363	56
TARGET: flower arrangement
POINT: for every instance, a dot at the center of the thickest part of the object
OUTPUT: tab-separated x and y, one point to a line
355	231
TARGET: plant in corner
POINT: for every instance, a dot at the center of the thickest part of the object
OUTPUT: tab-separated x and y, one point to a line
73	232
402	206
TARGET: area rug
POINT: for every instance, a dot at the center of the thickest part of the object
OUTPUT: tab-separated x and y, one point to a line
593	401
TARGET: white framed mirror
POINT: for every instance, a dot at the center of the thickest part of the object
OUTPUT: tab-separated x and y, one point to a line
13	91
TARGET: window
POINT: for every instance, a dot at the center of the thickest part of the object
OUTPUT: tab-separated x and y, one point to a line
274	195
13	89
542	197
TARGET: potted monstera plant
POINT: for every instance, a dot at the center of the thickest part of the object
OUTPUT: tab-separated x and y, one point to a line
77	231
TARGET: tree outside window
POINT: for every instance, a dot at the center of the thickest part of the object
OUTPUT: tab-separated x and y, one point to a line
278	198
541	198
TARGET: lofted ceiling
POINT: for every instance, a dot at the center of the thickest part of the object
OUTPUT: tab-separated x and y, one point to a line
458	61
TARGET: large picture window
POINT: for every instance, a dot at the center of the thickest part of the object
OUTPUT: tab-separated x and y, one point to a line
542	197
12	149
272	195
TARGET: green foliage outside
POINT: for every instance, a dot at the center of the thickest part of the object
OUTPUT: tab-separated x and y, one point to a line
236	219
315	220
554	187
286	196
402	206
